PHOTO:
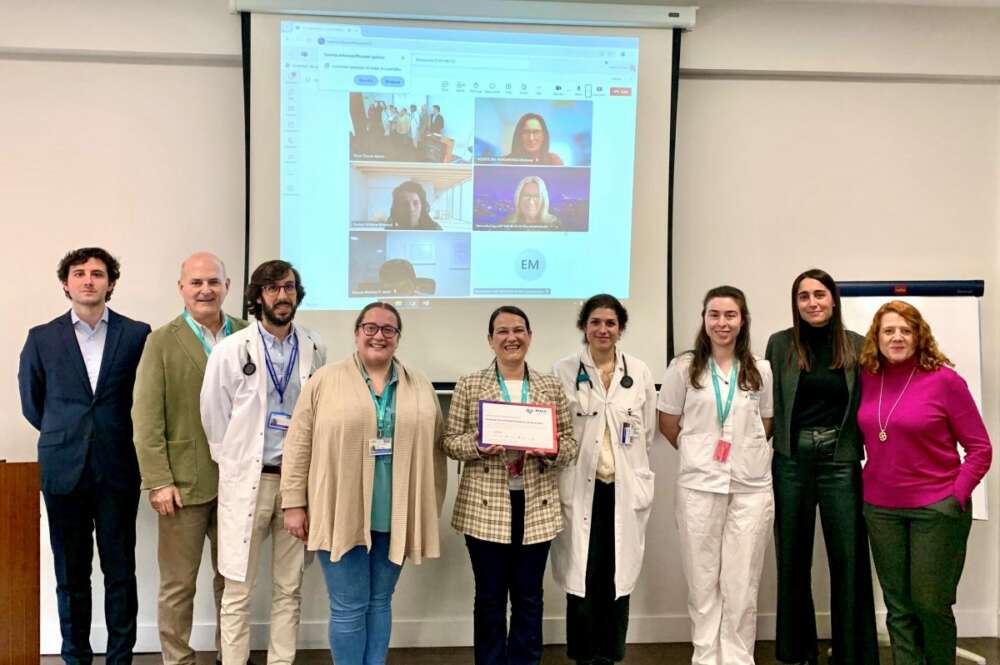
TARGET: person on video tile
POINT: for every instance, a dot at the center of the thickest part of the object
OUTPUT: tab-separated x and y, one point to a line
410	210
530	143
531	200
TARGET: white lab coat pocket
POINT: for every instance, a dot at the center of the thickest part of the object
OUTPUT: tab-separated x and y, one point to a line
642	495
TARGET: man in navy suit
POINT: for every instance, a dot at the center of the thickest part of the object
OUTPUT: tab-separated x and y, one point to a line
76	377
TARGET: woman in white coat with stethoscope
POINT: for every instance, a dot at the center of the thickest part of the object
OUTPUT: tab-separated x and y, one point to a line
606	495
715	406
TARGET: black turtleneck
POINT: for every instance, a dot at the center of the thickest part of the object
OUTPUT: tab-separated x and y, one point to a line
821	396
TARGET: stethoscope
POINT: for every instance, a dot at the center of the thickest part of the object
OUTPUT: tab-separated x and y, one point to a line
249	367
582	375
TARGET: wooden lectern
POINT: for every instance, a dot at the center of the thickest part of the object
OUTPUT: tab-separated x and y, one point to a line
19	587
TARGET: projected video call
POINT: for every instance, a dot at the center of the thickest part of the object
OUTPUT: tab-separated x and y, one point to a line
446	169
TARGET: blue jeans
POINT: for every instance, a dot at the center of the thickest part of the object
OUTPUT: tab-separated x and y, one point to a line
360	586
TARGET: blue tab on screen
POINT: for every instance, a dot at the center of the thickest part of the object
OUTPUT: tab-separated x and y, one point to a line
392	81
365	79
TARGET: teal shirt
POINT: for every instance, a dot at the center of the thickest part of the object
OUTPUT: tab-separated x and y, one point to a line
382	487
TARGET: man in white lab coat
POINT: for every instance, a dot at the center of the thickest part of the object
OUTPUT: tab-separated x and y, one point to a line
252	381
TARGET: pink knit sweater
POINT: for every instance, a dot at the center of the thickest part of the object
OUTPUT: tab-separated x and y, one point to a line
919	464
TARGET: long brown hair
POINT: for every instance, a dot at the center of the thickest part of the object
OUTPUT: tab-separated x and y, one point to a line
749	378
928	356
844	354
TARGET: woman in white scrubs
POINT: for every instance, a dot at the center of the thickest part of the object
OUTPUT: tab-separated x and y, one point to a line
715	407
606	495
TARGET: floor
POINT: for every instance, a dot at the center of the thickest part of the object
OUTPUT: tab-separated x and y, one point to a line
637	654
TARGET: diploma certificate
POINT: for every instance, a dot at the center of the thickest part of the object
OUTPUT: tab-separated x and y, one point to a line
518	426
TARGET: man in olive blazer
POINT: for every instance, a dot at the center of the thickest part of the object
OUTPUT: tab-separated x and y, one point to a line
172	449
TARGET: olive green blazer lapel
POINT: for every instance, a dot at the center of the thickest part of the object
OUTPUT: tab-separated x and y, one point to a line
189	344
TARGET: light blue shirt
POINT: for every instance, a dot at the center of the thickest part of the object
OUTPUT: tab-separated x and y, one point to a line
91	341
280	353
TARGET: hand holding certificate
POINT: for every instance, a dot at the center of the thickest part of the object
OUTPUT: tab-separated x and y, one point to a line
513	425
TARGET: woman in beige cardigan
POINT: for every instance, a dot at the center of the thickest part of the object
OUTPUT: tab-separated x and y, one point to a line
363	480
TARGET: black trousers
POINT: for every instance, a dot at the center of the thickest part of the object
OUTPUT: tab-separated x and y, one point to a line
94	507
807	479
596	624
501	570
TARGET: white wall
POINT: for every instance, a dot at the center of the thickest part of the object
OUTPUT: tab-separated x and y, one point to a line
871	179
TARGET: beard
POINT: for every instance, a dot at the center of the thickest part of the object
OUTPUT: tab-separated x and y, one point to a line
273	317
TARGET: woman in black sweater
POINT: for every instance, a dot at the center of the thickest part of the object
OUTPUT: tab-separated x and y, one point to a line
818	450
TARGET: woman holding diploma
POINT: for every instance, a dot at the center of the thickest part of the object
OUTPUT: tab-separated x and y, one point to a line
363	480
715	408
508	500
607	494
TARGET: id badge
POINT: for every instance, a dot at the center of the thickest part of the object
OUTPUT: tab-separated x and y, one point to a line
635	433
279	421
380	446
630	433
626	436
722	449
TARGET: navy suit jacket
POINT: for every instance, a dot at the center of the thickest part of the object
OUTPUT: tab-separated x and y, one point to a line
73	420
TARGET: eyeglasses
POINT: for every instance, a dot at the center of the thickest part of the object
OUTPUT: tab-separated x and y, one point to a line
273	289
369	329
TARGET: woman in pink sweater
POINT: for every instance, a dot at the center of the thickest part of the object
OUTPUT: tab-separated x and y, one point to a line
914	409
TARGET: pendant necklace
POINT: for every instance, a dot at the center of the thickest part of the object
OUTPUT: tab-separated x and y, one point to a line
882	435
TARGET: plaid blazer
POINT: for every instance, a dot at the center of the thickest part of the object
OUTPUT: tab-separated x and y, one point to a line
482	507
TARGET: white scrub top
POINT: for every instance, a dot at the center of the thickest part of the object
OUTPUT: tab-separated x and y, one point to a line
748	468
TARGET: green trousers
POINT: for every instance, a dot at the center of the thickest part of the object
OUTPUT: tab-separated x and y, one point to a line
919	554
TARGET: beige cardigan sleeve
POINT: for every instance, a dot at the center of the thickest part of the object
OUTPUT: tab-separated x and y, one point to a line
297	453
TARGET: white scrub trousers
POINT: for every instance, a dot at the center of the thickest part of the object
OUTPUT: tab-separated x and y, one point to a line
723	539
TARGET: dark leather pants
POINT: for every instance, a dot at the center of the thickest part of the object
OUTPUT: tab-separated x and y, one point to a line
808	478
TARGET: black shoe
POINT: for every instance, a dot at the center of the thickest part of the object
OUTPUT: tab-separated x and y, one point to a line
218	661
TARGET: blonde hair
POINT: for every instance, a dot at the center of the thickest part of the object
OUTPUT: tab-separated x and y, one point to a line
544	216
928	355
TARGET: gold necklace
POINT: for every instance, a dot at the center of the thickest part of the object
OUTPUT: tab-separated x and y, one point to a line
882	435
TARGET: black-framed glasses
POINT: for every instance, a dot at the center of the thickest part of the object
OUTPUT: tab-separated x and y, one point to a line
273	289
369	329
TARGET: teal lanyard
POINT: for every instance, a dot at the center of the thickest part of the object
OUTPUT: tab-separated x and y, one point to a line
503	386
381	401
723	411
196	329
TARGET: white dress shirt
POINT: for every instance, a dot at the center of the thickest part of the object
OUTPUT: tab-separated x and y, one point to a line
91	341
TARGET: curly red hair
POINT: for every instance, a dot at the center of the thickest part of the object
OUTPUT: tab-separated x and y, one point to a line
928	355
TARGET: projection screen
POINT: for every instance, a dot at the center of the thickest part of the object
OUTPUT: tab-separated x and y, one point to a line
449	168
